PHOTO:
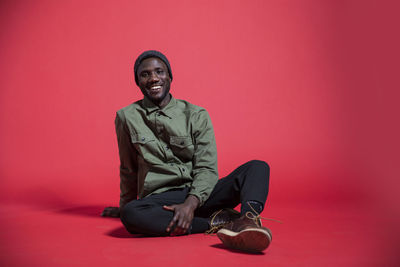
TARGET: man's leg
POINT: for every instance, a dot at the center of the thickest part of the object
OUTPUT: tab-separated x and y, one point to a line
248	183
147	216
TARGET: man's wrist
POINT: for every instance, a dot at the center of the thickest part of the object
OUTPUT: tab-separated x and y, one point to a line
192	201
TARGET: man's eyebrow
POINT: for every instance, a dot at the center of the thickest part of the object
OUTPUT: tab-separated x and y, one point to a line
147	70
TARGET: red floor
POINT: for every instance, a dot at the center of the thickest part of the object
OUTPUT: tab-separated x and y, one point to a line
309	86
78	236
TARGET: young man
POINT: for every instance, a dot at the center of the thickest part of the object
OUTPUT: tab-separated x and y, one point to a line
168	169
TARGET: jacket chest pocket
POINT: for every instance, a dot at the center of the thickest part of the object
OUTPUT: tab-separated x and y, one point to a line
182	147
143	143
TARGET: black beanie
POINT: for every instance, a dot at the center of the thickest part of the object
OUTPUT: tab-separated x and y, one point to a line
148	54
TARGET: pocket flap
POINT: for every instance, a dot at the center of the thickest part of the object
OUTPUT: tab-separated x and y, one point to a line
141	138
180	141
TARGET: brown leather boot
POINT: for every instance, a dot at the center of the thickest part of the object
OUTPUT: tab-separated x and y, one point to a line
221	218
246	233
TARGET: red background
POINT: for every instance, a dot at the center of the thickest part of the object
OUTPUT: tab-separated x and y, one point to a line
308	86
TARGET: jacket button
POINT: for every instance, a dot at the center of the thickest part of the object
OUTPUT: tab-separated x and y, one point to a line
143	138
182	143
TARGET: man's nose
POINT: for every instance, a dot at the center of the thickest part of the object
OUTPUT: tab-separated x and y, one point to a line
154	77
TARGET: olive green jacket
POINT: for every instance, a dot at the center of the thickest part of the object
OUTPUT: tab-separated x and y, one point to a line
164	149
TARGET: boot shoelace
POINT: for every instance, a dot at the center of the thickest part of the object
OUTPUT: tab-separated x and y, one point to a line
214	229
256	217
251	215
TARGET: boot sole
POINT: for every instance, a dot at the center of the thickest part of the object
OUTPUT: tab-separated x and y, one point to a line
251	240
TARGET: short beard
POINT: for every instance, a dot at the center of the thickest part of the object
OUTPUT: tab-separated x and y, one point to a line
158	101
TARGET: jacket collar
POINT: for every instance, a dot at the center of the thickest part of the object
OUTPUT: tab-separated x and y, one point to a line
150	107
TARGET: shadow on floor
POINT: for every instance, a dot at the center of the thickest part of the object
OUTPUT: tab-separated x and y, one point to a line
221	246
90	211
121	232
41	198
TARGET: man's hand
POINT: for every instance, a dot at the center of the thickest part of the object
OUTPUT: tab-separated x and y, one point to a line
111	212
183	215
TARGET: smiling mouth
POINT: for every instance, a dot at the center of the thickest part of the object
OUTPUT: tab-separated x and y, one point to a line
155	88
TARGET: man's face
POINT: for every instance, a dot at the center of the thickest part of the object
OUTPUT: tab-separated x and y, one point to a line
154	80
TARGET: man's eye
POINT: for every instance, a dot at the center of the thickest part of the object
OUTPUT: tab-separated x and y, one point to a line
144	74
160	71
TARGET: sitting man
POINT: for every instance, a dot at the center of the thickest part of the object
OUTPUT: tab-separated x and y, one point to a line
168	169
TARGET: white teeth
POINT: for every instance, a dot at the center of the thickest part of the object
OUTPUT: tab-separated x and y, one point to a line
156	87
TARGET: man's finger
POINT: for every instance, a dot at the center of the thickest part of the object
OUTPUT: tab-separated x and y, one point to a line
180	226
110	212
185	227
173	221
181	222
170	208
182	231
106	212
177	230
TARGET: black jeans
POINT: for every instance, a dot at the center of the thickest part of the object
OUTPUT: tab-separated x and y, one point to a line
249	182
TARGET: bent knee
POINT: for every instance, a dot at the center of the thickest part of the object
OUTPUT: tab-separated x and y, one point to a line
130	215
140	217
259	164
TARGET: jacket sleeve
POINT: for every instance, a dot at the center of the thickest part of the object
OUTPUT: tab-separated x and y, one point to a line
205	165
128	162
